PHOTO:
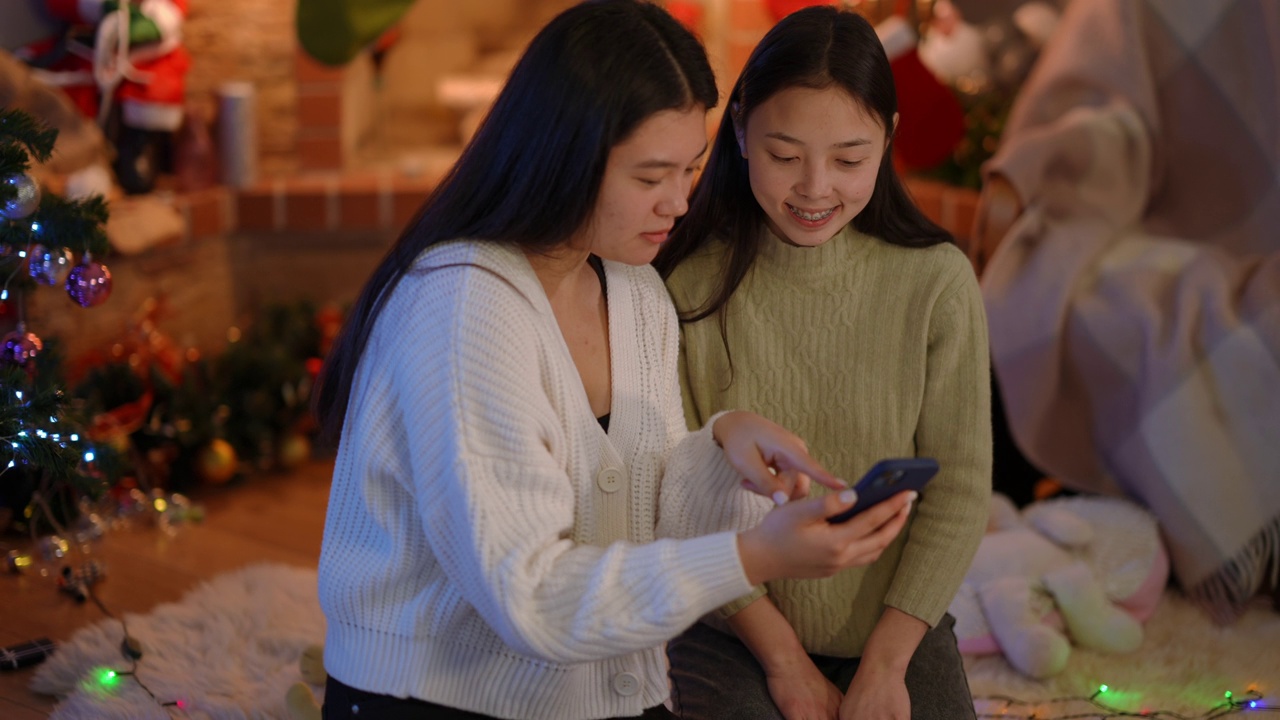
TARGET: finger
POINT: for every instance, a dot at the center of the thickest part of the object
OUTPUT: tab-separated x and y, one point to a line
801	487
763	479
800	461
827	505
867	521
885	534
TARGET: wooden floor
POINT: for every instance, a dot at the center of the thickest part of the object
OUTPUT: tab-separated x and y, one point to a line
277	517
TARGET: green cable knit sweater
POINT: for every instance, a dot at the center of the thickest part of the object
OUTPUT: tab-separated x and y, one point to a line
866	350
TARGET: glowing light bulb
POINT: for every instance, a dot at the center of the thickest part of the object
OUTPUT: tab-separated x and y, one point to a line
1103	688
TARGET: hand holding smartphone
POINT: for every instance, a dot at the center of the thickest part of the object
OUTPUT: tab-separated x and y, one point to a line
886	479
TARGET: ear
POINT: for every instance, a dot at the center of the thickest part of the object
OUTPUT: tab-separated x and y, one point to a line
893	130
739	130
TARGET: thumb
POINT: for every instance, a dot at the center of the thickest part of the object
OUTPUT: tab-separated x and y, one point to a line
830	504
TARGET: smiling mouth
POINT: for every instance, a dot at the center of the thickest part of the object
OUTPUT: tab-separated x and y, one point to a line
810	216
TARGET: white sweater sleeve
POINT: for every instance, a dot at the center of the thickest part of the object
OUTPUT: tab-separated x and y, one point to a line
497	502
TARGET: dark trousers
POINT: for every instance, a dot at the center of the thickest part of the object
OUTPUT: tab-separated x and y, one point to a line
343	702
715	677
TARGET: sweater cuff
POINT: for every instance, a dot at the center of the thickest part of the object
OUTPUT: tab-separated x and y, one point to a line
714	560
728	610
930	612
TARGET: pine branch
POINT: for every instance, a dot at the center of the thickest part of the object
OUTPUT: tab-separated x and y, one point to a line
36	431
13	160
19	127
77	225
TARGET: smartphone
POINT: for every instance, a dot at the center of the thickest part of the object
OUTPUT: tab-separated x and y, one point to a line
888	478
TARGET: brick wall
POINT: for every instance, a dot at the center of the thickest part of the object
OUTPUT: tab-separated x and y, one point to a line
253	41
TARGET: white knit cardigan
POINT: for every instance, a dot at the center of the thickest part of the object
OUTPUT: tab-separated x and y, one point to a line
487	545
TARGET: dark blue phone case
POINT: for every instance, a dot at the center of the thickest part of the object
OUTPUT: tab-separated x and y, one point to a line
886	479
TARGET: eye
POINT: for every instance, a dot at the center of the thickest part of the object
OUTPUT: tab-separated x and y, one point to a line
848	163
781	159
650	182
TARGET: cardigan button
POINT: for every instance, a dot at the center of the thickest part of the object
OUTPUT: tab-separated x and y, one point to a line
609	480
626	684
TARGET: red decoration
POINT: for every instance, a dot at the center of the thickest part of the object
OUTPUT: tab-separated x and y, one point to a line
782	8
688	13
931	120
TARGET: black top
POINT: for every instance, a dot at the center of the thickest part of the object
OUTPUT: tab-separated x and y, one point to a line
598	265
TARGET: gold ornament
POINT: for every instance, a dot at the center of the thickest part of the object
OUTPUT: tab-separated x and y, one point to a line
294	450
217	462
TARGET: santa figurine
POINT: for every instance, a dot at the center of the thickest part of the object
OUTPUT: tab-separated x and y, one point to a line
123	63
932	120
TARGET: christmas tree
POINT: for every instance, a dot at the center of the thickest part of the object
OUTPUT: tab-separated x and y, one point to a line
46	453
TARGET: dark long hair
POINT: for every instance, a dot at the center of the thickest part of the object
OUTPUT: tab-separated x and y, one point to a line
817	47
532	172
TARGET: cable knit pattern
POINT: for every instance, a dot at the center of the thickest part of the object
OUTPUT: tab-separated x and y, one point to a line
867	350
488	546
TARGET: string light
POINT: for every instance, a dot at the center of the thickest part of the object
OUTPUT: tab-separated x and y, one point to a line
109	678
1251	701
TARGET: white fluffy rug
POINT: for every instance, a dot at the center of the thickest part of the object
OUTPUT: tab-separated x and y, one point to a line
1185	665
230	649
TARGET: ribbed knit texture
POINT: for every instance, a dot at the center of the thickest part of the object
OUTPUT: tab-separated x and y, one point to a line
866	350
471	555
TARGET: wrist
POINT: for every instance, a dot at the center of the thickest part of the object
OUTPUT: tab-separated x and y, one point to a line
719	427
755	556
884	665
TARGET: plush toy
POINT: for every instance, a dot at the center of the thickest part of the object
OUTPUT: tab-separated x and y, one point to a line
107	53
299	699
1082	570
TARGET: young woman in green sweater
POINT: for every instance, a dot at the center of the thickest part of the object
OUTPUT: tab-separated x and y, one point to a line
814	292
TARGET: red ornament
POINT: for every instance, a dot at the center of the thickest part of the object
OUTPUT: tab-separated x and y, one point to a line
89	283
20	347
782	8
688	13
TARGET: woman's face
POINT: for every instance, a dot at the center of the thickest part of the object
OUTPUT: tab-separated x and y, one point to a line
646	186
813	156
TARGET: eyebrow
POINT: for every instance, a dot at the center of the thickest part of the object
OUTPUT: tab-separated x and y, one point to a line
666	164
794	141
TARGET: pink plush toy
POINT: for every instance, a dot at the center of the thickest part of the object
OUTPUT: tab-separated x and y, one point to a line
1081	570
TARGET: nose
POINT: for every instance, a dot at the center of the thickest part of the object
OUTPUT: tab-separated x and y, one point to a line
675	202
815	182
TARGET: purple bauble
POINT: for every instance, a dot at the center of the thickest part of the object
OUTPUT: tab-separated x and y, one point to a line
48	266
89	283
20	347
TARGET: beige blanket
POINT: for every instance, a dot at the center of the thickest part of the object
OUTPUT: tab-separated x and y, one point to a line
1135	305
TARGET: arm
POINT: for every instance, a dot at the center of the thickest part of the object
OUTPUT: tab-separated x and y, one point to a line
879	686
955	428
796	685
494	502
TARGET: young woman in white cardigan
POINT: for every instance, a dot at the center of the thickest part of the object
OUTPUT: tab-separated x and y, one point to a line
507	400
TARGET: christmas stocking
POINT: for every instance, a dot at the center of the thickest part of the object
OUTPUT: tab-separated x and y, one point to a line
334	31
